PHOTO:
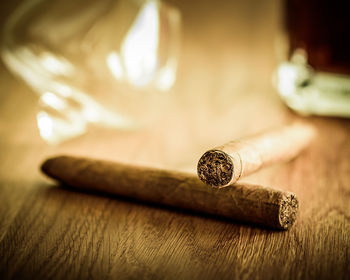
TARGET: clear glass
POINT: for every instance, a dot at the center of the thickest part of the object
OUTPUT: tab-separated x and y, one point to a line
314	76
106	62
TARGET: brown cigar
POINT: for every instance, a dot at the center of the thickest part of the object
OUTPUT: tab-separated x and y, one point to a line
243	202
224	165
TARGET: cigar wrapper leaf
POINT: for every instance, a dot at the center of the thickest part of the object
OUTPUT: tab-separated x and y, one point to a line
226	164
241	202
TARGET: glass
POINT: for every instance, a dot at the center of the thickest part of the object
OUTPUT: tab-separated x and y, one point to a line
314	77
106	62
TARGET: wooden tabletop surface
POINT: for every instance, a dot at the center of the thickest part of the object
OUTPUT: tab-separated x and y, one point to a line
223	92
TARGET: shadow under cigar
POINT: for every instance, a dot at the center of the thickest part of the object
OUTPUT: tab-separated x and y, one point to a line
84	229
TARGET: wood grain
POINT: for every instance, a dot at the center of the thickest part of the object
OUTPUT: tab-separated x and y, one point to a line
48	232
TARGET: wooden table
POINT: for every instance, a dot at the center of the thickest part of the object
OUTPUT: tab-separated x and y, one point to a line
223	91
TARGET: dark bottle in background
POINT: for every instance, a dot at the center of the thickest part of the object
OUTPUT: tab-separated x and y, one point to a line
314	78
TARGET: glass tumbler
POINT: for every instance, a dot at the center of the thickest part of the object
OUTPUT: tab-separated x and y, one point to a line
106	62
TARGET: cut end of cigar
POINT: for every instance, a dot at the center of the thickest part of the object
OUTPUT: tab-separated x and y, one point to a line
215	168
288	210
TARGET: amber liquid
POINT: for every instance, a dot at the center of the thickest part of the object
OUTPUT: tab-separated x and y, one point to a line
322	29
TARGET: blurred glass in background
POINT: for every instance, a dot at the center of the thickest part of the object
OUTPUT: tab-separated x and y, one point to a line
113	62
106	62
314	76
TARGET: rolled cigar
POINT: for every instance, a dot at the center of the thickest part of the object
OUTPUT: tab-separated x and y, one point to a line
226	164
243	202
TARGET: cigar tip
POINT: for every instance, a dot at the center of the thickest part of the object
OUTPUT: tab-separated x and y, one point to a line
48	166
215	168
288	210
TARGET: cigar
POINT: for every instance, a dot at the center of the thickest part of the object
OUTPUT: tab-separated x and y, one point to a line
226	164
242	202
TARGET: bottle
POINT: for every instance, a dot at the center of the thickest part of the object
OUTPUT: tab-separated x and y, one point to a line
314	77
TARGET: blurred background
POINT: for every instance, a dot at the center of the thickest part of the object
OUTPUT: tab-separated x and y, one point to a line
208	81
